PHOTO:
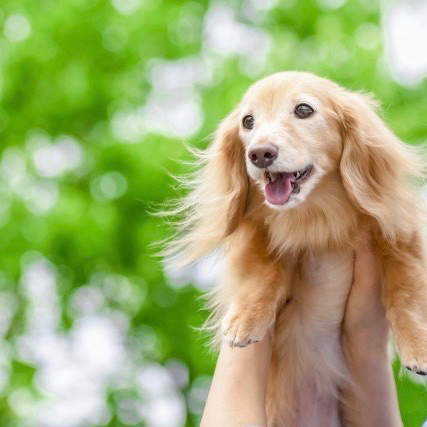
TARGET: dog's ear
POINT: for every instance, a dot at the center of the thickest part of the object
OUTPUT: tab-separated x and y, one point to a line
226	173
217	199
375	165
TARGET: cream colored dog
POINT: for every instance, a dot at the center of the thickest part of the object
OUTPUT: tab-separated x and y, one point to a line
293	175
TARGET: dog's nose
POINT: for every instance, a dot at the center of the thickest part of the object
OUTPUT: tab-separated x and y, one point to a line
263	155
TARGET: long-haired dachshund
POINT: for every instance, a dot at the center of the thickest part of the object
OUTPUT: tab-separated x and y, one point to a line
293	175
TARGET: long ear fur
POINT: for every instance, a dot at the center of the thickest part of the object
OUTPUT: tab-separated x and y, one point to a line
376	166
217	197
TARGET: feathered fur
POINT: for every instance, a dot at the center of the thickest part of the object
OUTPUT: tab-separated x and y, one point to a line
363	175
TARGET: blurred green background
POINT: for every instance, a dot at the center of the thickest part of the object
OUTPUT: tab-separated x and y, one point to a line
96	100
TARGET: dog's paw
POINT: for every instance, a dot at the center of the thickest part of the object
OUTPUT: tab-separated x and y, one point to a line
413	353
244	325
414	361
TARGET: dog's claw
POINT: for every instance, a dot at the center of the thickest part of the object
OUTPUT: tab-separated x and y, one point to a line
423	373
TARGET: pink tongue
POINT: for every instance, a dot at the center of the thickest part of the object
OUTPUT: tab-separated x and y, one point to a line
278	191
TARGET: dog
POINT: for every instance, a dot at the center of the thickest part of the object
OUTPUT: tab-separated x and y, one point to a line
293	175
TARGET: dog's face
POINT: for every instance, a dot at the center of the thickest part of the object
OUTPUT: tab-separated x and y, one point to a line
290	140
317	143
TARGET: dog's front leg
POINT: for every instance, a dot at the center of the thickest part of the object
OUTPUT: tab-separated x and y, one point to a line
255	285
405	294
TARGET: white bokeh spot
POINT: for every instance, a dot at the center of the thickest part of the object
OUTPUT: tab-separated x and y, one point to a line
17	28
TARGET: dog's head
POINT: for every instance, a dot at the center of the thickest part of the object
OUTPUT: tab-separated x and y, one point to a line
291	129
288	134
289	139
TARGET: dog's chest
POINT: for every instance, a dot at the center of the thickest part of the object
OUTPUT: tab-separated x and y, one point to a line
323	287
316	315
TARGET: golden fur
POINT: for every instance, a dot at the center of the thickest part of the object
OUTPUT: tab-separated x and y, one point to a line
293	266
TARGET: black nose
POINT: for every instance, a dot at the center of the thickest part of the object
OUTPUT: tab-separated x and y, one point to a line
263	155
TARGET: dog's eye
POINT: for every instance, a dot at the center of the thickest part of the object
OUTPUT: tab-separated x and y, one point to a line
248	122
303	111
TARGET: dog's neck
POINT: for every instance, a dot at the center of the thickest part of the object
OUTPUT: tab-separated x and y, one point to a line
326	220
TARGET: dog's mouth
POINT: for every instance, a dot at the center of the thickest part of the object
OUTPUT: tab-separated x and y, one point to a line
281	185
